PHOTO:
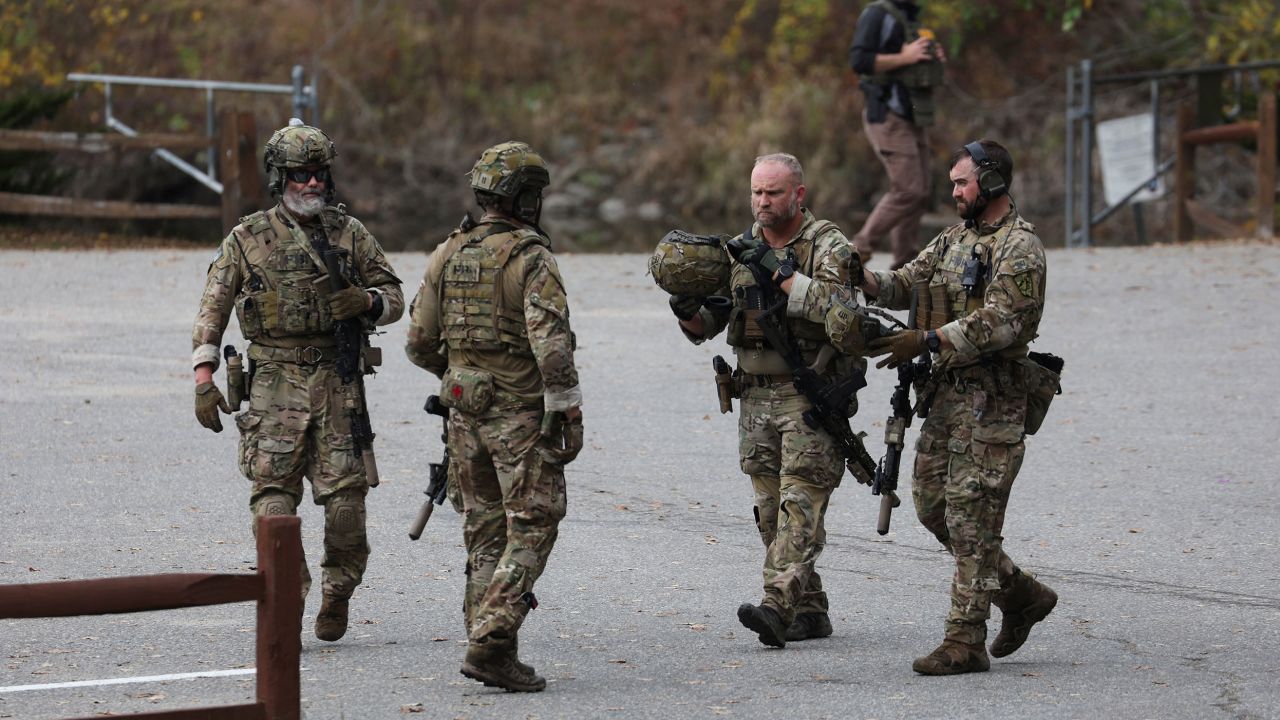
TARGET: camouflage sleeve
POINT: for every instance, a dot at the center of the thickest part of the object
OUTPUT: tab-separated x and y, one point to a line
1012	304
377	274
221	285
424	346
546	314
811	297
895	285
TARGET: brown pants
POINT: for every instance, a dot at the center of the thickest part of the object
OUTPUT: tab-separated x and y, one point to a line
903	149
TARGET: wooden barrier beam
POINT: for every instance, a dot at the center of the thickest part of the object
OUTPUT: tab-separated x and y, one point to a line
1206	218
279	637
126	594
45	141
19	204
1234	132
1184	174
1267	166
227	712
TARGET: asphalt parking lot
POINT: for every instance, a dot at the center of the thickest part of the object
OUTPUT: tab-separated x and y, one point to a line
1148	501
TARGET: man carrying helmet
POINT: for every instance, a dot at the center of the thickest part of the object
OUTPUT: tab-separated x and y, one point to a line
491	319
299	419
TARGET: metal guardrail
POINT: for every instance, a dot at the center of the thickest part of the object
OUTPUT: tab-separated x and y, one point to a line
304	100
1081	81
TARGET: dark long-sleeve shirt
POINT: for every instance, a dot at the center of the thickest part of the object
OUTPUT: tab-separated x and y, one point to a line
879	33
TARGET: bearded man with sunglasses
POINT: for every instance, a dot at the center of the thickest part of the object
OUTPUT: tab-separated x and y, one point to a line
272	271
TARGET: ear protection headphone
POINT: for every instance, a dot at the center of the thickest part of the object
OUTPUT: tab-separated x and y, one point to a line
990	183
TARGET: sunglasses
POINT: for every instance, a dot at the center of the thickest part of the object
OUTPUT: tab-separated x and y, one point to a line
303	176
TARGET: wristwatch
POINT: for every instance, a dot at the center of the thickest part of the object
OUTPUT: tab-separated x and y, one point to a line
785	271
932	341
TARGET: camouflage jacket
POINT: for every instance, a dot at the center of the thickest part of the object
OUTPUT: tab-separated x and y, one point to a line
542	368
822	273
270	253
1004	317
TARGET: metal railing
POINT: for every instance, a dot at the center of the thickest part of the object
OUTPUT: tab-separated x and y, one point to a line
1081	84
304	99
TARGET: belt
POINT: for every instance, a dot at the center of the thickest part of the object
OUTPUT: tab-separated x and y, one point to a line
750	380
309	355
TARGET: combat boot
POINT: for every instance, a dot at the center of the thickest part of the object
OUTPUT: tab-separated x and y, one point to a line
1026	603
764	621
331	621
808	626
953	658
515	658
496	666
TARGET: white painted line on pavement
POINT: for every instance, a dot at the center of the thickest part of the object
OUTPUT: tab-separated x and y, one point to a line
125	681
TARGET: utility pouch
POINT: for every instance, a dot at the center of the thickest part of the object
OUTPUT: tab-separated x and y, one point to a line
724	384
1043	376
237	391
469	391
372	357
939	307
753	306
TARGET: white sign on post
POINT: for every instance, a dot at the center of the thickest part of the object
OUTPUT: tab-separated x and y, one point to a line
1124	147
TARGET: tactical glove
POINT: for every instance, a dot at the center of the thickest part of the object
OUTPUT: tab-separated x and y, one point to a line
209	401
564	438
348	303
685	306
902	346
761	256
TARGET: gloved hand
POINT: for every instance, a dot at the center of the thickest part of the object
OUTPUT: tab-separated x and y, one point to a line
348	303
685	306
902	346
564	438
761	256
209	401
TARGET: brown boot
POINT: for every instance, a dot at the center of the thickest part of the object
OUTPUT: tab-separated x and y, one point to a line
953	658
331	621
808	626
1026	603
497	667
515	658
764	621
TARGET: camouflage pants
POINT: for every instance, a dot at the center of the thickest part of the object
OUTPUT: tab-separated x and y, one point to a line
296	425
513	500
968	454
793	470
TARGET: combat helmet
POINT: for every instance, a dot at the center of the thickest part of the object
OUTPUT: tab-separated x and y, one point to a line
514	172
297	145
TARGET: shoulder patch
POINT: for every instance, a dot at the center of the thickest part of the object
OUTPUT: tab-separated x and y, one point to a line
1026	283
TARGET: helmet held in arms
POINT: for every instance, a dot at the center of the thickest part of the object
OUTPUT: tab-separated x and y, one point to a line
296	146
516	174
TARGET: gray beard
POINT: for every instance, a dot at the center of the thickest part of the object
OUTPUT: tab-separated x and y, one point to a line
303	206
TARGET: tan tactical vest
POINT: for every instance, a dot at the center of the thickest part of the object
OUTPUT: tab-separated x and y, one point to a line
285	289
473	314
742	332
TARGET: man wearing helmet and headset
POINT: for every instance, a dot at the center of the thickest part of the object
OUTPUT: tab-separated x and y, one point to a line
298	422
979	293
491	319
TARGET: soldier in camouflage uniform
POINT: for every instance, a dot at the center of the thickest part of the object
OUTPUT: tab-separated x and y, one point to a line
793	467
980	291
491	319
297	423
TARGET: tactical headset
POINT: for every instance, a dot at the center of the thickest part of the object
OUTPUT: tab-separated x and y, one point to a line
991	183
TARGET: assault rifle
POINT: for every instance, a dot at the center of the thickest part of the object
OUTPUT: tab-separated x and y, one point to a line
829	399
438	476
352	345
895	429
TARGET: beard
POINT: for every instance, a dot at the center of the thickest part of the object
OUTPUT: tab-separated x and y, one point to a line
772	219
971	211
304	203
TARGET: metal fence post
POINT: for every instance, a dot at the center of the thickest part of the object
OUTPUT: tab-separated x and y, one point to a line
1086	151
1069	199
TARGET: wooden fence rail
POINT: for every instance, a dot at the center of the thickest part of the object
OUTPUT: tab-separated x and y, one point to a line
277	589
1187	211
236	146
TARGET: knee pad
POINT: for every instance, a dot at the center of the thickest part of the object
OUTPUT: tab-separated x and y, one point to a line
344	513
274	503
